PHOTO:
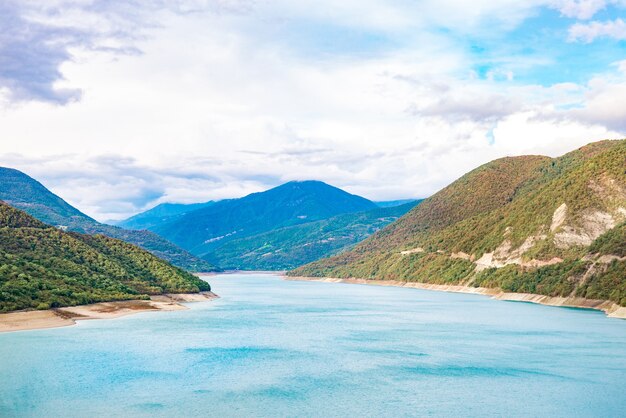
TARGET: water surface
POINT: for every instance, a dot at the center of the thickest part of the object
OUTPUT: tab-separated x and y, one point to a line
274	348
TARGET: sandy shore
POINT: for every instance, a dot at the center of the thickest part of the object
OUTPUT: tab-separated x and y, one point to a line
61	317
611	309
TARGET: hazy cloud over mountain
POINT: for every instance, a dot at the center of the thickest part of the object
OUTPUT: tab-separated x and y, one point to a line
119	105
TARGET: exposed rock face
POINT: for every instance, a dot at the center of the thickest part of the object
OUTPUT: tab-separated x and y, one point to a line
487	261
461	255
594	222
559	217
608	188
592	226
568	212
413	251
505	255
541	263
565	232
608	258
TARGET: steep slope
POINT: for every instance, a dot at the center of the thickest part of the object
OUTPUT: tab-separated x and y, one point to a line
43	267
293	246
24	192
523	224
163	213
203	230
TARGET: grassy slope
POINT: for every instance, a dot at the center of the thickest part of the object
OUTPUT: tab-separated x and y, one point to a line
512	199
25	193
43	267
293	246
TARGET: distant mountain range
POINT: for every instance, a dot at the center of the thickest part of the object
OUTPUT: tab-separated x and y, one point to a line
277	229
392	203
206	229
280	228
43	267
160	214
168	212
291	246
532	224
23	192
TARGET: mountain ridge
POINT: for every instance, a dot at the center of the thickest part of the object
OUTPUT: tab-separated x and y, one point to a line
164	212
44	267
292	246
23	192
521	224
289	204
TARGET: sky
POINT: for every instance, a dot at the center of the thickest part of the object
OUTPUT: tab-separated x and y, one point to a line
117	106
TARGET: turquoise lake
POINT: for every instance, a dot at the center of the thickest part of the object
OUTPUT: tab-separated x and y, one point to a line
275	348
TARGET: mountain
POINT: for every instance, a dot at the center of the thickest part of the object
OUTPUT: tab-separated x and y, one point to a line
392	203
204	230
293	246
163	213
44	267
23	192
531	224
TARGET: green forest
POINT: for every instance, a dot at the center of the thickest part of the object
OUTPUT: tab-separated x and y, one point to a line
43	267
27	194
293	246
510	200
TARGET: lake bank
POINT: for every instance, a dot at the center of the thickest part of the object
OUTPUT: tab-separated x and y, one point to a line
610	308
62	317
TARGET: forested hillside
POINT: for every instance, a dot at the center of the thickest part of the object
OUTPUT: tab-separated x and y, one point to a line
293	246
43	267
24	192
207	229
524	224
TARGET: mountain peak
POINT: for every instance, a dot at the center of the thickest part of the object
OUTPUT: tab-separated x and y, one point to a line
304	184
289	204
316	189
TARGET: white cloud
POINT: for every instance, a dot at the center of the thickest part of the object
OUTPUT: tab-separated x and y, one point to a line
532	132
580	9
605	104
227	98
588	32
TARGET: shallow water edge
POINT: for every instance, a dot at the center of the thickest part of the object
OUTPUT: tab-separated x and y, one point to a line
612	309
63	317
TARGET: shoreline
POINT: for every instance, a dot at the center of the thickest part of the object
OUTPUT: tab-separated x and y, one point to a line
244	272
67	316
611	309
